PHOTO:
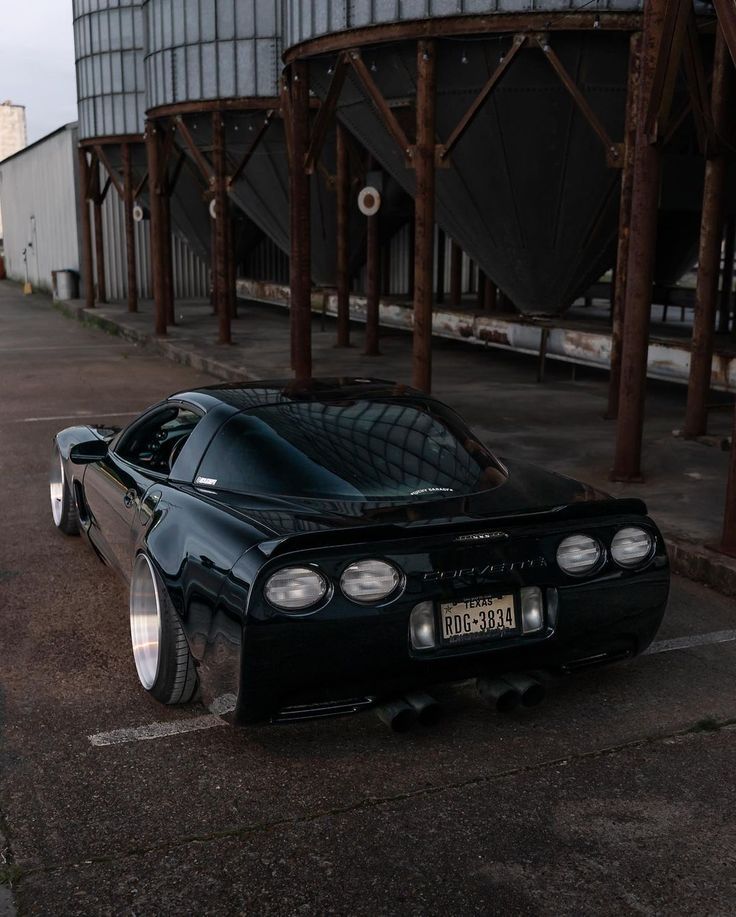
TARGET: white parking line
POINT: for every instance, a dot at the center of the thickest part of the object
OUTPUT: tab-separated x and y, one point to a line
82	416
226	703
218	708
684	643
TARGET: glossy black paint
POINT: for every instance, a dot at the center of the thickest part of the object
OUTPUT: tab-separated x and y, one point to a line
214	551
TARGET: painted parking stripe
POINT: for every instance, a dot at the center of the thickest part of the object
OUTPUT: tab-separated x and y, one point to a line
218	709
226	703
685	643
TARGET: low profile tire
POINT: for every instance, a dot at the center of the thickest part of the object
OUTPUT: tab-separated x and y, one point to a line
63	504
162	659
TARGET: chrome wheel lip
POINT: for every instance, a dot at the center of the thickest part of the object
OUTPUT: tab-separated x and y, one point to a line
57	484
145	621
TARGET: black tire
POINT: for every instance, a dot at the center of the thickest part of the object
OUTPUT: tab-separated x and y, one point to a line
63	504
160	650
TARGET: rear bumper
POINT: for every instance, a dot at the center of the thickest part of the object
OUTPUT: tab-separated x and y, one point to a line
366	653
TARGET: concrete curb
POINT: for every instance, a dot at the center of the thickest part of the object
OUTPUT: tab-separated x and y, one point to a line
693	561
176	351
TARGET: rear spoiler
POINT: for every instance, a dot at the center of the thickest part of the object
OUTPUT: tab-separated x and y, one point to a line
593	509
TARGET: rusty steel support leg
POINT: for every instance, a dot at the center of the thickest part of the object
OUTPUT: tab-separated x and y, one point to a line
343	239
128	204
87	274
412	254
481	292
158	268
424	207
99	238
300	264
624	224
728	541
490	296
222	215
372	290
456	274
709	253
640	265
724	307
441	245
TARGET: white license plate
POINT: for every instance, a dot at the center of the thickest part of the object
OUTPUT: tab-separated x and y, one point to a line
484	616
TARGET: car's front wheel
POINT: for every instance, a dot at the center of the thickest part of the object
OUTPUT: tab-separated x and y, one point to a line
63	505
160	649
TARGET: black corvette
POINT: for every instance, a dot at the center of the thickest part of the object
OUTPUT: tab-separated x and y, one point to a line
318	548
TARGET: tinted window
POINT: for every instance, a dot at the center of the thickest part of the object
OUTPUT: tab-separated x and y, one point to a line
355	451
156	441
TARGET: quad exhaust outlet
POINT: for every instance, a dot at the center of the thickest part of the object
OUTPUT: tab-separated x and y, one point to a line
401	714
514	690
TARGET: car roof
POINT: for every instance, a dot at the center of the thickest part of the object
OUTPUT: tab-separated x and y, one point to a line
244	396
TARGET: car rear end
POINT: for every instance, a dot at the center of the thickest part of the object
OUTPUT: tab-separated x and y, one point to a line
337	621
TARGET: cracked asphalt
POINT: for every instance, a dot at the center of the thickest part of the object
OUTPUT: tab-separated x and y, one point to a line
615	797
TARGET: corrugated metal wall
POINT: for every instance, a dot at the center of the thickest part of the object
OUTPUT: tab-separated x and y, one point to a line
39	204
191	274
109	42
39	197
211	49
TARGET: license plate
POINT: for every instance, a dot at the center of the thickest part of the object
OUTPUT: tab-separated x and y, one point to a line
477	618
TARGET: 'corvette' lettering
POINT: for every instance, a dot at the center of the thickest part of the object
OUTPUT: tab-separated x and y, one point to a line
534	563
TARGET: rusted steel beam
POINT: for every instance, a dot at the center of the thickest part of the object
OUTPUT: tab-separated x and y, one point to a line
709	253
343	239
222	215
412	253
452	26
477	104
728	540
112	140
424	204
158	268
112	174
250	103
666	67
203	165
260	133
128	204
640	263
300	262
441	245
724	308
624	222
105	188
372	286
93	164
326	113
140	186
697	84
232	272
87	276
97	201
612	150
726	12
386	115
456	274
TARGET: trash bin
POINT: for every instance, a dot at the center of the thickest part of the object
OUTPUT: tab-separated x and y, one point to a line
66	285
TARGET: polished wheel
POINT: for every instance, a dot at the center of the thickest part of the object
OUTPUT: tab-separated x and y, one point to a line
63	504
145	621
165	665
57	485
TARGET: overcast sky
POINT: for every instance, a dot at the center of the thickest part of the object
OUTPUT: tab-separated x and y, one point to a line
37	62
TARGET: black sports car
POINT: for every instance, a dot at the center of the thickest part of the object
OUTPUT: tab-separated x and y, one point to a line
318	548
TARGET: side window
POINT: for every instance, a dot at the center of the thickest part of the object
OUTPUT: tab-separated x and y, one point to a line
155	442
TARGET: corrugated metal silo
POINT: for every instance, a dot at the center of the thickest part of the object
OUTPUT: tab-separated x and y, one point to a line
529	193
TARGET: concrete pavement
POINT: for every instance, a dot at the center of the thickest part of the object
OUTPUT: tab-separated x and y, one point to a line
615	797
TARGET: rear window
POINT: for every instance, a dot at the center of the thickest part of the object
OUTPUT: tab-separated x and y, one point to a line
349	451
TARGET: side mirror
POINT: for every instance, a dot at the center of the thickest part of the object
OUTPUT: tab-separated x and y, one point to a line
85	453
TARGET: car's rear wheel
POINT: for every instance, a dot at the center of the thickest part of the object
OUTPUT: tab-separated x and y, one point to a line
162	658
63	504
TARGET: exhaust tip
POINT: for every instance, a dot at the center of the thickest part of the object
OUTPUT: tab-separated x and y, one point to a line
534	695
499	694
428	711
397	715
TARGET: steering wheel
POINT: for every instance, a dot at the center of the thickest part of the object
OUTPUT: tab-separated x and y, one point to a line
178	446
